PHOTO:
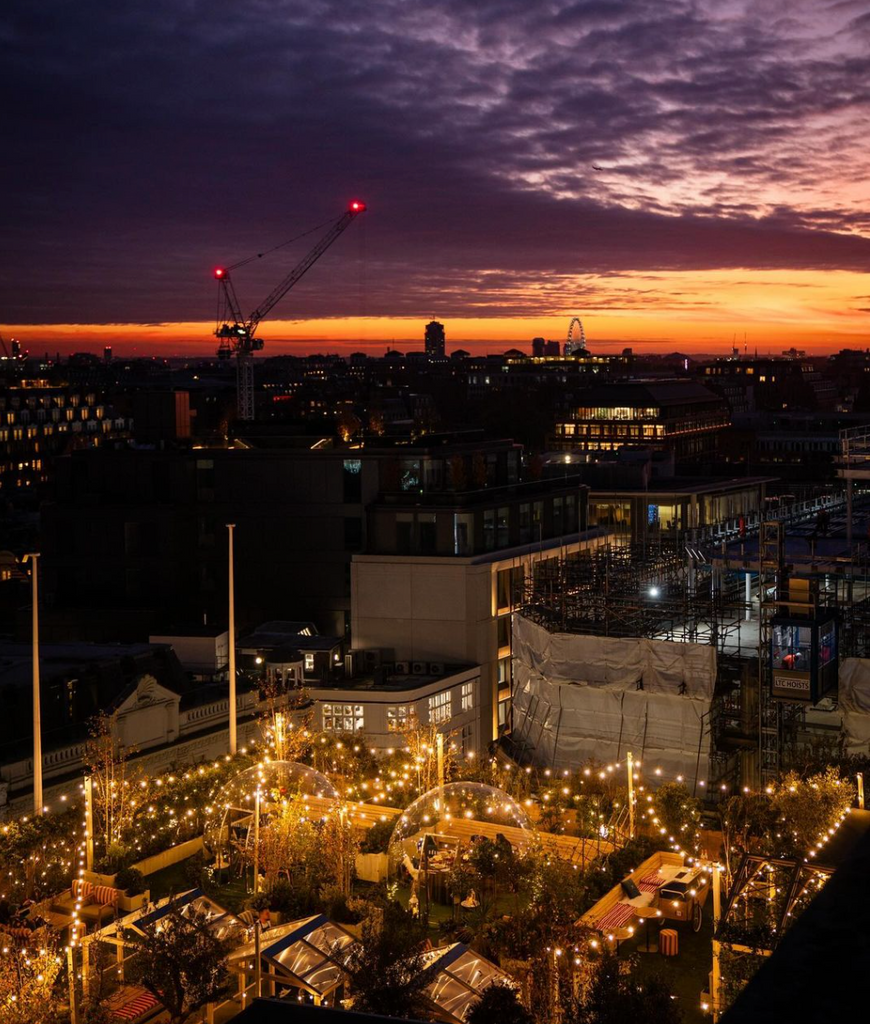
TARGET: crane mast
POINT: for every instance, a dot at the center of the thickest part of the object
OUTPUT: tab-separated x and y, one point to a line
237	333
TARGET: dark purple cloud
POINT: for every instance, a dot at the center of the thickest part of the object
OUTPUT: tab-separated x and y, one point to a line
503	147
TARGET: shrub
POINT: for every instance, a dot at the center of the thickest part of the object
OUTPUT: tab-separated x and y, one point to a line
377	838
292	901
259	901
130	880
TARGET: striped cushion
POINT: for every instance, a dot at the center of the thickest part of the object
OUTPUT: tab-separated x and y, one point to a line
82	889
616	917
136	1007
106	895
651	883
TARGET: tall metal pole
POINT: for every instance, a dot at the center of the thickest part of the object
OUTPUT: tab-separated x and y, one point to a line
629	763
232	641
257	842
89	822
37	710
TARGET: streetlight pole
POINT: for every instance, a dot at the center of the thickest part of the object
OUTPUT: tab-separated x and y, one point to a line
629	763
37	710
232	641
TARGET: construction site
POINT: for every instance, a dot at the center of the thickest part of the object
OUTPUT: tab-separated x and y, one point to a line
719	662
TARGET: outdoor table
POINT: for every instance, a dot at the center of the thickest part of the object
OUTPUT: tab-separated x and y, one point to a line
648	913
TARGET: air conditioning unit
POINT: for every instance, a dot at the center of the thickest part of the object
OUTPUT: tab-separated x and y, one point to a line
368	660
419	668
403	668
436	668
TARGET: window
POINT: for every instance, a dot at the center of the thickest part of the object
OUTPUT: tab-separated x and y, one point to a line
427	533
503	527
352	479
504	631
504	672
537	520
503	589
466	696
466	739
489	529
525	523
205	480
557	517
570	524
343	718
397	717
463	533
439	708
409	474
309	662
404	532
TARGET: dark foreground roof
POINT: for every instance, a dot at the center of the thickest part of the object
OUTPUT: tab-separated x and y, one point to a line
287	1011
818	973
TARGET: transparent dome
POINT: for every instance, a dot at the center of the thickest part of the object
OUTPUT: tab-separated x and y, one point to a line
456	814
231	817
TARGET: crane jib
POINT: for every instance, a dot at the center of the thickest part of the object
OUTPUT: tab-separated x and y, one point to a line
237	337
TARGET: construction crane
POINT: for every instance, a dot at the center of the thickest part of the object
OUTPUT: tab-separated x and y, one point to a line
237	333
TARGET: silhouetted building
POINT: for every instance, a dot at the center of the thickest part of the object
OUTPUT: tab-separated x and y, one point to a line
161	416
435	339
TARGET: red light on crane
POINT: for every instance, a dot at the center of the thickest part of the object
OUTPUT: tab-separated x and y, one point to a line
219	272
357	207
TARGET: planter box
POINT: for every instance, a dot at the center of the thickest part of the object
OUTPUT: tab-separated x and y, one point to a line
164	859
372	867
128	903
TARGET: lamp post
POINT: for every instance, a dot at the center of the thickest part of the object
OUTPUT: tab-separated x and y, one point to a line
232	642
37	710
629	763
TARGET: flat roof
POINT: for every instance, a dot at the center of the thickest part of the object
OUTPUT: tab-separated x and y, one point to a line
57	659
688	485
395	681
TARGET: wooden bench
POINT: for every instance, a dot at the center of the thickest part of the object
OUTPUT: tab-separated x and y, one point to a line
613	915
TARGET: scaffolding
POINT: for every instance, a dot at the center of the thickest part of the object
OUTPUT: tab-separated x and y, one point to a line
680	592
624	590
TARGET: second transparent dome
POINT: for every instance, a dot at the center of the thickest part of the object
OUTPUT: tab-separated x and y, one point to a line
454	810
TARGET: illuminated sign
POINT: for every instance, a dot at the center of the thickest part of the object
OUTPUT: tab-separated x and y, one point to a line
792	685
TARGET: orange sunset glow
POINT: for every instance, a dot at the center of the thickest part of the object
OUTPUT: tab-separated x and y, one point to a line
692	311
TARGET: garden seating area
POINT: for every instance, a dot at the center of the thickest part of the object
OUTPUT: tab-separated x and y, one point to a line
612	915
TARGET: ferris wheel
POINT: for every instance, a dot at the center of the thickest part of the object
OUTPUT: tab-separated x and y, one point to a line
576	337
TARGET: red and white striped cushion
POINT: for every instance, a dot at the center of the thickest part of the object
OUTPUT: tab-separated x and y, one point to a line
616	917
82	889
136	1007
106	895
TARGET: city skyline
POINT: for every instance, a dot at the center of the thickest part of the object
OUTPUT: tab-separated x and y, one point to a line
677	177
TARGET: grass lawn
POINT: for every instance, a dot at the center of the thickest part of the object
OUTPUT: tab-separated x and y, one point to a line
687	973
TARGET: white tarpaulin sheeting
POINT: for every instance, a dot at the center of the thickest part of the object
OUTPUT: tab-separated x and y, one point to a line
854	695
577	697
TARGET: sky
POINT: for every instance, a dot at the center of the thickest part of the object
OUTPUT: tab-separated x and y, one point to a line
681	175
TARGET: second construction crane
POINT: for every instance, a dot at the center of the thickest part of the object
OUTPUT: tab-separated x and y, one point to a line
237	333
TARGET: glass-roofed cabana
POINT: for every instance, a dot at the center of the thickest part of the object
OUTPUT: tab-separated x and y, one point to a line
154	917
459	978
306	956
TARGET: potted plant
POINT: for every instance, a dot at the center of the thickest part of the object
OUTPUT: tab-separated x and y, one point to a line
134	894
